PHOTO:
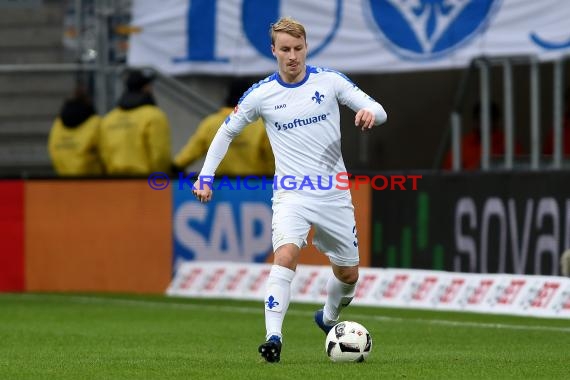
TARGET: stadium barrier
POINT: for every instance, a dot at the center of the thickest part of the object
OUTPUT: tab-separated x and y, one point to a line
524	295
84	236
120	235
236	225
496	222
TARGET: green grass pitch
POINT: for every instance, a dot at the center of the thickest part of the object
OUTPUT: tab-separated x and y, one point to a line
73	336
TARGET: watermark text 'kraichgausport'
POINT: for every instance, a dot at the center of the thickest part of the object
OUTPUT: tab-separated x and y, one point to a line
340	181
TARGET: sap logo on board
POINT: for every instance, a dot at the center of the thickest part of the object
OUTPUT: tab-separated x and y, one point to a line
427	29
223	231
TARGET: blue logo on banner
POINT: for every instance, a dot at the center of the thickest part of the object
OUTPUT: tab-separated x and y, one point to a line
427	29
549	45
257	15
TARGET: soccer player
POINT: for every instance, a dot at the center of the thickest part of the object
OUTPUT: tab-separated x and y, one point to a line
299	106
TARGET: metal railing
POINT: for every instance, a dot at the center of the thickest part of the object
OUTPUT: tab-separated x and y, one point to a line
558	111
101	18
482	66
106	95
100	74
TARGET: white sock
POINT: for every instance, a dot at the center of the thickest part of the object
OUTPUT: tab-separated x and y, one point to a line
339	296
277	297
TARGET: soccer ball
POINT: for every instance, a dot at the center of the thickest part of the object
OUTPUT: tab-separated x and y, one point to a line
348	341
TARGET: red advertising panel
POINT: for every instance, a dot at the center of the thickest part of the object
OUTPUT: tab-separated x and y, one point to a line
97	235
11	236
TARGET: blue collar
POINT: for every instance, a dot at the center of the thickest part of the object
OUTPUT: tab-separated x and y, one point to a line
293	85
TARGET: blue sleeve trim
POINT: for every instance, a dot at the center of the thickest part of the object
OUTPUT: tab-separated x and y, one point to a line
270	78
338	73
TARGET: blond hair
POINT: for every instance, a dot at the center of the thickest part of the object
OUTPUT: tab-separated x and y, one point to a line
287	25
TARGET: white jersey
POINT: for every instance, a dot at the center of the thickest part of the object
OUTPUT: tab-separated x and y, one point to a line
303	125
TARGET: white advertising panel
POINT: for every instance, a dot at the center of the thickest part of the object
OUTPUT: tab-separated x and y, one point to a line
525	295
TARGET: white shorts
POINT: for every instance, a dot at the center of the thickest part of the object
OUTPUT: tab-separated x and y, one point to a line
333	222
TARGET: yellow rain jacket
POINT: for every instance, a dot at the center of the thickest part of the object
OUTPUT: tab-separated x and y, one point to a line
74	150
249	153
135	141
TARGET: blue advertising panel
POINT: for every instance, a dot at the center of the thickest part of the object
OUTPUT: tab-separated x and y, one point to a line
234	226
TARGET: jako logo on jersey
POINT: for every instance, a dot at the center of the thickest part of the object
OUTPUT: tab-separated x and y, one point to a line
280	106
318	97
271	303
427	29
299	122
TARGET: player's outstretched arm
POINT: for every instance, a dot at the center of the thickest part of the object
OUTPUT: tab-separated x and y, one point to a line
231	127
202	188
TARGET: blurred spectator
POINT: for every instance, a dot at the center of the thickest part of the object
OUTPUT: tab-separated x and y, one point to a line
249	153
135	135
471	142
549	139
74	138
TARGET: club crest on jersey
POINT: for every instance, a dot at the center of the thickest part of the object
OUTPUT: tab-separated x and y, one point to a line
318	98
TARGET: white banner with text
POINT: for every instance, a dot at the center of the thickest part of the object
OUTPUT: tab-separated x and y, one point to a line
365	36
524	295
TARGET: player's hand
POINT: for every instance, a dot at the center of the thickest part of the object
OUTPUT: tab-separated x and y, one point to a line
364	119
202	191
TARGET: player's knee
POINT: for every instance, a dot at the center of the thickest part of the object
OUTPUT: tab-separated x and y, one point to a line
287	256
348	277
